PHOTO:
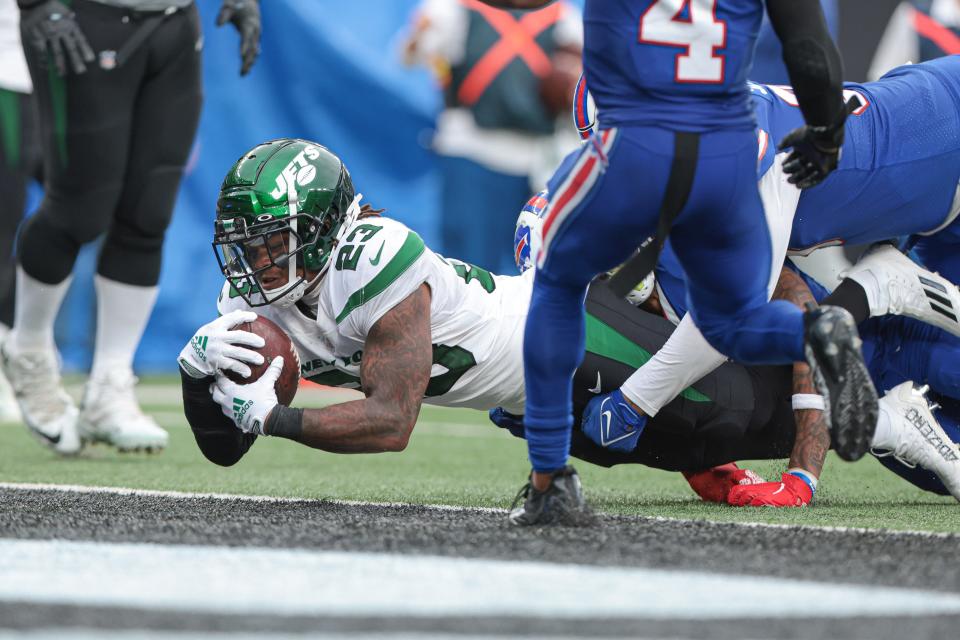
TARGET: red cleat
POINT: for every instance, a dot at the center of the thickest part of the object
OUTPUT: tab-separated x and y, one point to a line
790	492
714	485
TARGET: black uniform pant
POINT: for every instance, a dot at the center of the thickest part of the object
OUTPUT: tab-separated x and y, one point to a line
734	413
115	142
20	163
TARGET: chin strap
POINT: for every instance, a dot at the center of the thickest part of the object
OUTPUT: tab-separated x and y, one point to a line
353	212
297	292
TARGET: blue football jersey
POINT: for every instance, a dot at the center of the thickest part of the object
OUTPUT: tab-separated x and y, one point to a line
900	167
679	64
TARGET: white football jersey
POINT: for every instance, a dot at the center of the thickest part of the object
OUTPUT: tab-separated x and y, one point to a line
476	318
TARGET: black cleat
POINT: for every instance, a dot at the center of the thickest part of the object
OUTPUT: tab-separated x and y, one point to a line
833	352
561	504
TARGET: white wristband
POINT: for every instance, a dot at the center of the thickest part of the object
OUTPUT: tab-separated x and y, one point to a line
808	401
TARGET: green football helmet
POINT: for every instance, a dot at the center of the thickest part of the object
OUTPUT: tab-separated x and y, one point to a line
285	204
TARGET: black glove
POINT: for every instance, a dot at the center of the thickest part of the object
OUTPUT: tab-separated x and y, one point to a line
50	27
816	150
245	16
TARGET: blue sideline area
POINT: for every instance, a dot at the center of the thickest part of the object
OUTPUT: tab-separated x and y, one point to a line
333	76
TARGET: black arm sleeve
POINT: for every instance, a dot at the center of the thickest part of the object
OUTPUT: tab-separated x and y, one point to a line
811	57
218	438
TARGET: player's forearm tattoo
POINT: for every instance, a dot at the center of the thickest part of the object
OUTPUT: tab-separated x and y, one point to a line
813	438
394	372
792	288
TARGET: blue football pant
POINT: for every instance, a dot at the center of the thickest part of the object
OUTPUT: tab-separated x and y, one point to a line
897	348
603	206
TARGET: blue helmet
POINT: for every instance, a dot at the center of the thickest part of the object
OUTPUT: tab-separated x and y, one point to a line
526	238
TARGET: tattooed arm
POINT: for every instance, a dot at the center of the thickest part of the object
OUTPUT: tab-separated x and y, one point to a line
394	372
812	439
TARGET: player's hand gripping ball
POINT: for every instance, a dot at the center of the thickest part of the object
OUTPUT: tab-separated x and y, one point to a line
276	343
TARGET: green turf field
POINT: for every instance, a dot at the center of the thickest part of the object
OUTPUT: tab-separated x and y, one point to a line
456	457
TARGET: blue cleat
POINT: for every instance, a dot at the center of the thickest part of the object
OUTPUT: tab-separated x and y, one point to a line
612	423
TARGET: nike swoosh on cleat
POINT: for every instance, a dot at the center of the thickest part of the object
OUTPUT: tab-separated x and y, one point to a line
596	389
49	439
376	259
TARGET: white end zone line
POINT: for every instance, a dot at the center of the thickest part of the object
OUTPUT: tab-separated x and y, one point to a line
158	493
294	582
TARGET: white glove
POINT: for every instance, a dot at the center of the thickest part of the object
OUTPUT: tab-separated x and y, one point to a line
248	405
216	348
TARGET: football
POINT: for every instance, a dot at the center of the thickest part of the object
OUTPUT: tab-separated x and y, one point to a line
277	343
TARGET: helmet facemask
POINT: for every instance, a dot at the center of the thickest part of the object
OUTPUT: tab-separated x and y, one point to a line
281	212
249	252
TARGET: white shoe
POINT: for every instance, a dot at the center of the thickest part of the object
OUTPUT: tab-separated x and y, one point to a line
45	407
110	414
897	285
920	441
9	411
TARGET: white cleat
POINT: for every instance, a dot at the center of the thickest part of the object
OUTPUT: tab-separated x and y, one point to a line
9	411
920	441
897	285
111	414
46	409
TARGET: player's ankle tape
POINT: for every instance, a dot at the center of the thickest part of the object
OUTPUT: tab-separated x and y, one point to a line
284	422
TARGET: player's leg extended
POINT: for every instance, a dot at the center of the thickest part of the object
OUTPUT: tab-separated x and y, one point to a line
724	247
15	139
599	214
84	132
721	415
164	124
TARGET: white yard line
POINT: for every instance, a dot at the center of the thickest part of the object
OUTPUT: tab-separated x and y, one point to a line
359	584
74	488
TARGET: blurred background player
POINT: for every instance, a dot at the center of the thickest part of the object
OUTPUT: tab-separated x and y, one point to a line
118	89
676	111
19	163
506	76
919	30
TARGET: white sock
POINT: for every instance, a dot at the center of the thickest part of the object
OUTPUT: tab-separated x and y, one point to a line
885	437
36	310
122	314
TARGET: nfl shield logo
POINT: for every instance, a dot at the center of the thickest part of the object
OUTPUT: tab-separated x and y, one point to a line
108	59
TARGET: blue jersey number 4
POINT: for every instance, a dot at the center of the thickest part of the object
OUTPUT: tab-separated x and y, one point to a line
693	26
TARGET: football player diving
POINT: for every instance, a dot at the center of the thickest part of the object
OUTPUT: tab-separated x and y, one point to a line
369	306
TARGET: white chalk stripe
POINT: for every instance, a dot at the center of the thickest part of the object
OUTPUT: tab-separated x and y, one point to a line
159	493
359	584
